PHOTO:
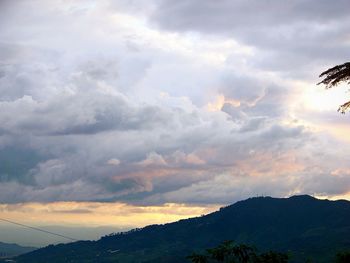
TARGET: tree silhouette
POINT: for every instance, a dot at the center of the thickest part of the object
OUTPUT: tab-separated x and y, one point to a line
228	252
334	76
343	257
198	258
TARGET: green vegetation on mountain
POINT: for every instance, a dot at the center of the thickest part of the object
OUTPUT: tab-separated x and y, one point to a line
302	226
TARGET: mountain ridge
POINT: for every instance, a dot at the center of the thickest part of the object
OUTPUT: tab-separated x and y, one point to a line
303	225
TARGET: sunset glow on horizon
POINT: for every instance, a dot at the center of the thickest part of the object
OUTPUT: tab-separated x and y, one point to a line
120	215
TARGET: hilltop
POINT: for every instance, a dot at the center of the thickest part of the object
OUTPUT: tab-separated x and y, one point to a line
304	226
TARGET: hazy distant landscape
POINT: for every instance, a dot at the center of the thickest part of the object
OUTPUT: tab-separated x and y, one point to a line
24	237
11	250
195	131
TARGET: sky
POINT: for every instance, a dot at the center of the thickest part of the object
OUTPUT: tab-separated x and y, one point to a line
122	113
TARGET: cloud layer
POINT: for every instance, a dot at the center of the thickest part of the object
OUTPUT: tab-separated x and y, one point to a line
168	102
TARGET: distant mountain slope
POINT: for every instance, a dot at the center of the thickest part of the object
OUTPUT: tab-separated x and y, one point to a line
303	225
9	250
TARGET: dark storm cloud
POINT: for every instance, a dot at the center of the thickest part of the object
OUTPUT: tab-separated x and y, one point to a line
16	162
228	16
249	13
290	35
84	173
114	114
87	113
230	188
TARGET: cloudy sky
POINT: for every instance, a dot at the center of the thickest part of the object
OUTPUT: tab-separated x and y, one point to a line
129	112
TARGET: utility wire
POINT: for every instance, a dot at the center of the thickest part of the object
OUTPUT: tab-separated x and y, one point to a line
38	229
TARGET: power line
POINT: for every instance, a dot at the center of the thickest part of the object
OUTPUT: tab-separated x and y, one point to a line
38	229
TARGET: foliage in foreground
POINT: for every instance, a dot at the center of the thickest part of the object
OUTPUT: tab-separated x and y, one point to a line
334	76
228	252
343	257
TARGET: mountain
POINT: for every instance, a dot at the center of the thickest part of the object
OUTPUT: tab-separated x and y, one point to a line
10	250
301	225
